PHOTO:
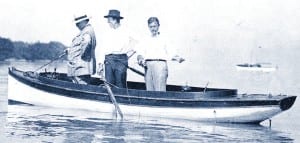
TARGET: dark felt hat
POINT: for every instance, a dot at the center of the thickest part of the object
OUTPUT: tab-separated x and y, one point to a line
114	13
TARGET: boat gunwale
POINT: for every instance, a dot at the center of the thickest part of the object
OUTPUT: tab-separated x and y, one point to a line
41	80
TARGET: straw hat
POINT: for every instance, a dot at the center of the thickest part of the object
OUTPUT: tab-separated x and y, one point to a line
80	18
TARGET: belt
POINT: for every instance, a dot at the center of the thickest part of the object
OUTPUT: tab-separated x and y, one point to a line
161	60
116	54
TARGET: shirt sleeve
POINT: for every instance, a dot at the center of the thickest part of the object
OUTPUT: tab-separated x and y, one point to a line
140	49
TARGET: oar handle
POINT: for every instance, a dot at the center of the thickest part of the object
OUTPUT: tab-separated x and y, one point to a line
133	52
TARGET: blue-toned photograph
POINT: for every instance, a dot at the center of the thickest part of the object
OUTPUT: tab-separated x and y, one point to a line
137	71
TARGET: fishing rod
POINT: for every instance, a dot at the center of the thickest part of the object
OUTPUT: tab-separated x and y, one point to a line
57	58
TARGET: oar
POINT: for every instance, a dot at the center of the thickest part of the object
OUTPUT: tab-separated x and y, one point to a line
110	93
135	70
60	56
131	68
112	97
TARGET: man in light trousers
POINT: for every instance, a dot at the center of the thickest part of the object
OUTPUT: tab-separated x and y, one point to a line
154	58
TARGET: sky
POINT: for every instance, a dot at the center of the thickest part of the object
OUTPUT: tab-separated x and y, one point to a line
36	20
192	27
47	20
213	21
204	31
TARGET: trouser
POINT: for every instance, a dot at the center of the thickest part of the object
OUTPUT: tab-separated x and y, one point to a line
116	69
83	79
156	75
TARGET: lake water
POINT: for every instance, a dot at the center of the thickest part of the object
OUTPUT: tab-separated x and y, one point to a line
24	123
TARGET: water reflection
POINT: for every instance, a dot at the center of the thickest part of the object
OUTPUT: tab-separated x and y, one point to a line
249	133
30	123
2	126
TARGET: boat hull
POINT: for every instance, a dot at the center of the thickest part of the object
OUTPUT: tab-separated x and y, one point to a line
20	91
255	69
259	67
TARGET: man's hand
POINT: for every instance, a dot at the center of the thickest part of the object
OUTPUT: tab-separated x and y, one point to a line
100	69
181	60
66	51
141	60
178	59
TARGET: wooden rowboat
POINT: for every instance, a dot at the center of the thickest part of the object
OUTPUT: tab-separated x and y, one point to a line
179	102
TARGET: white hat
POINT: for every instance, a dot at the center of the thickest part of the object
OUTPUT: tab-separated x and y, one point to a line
80	18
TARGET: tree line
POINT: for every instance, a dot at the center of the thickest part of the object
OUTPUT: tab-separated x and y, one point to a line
29	51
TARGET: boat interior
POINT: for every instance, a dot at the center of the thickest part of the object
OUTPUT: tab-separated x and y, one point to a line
130	84
133	84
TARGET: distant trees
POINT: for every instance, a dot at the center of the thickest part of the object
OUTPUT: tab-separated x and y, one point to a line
6	48
27	51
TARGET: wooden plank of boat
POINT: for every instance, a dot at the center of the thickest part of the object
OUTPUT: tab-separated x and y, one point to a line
215	105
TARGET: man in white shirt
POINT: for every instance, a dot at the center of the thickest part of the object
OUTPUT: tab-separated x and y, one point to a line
154	58
116	48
